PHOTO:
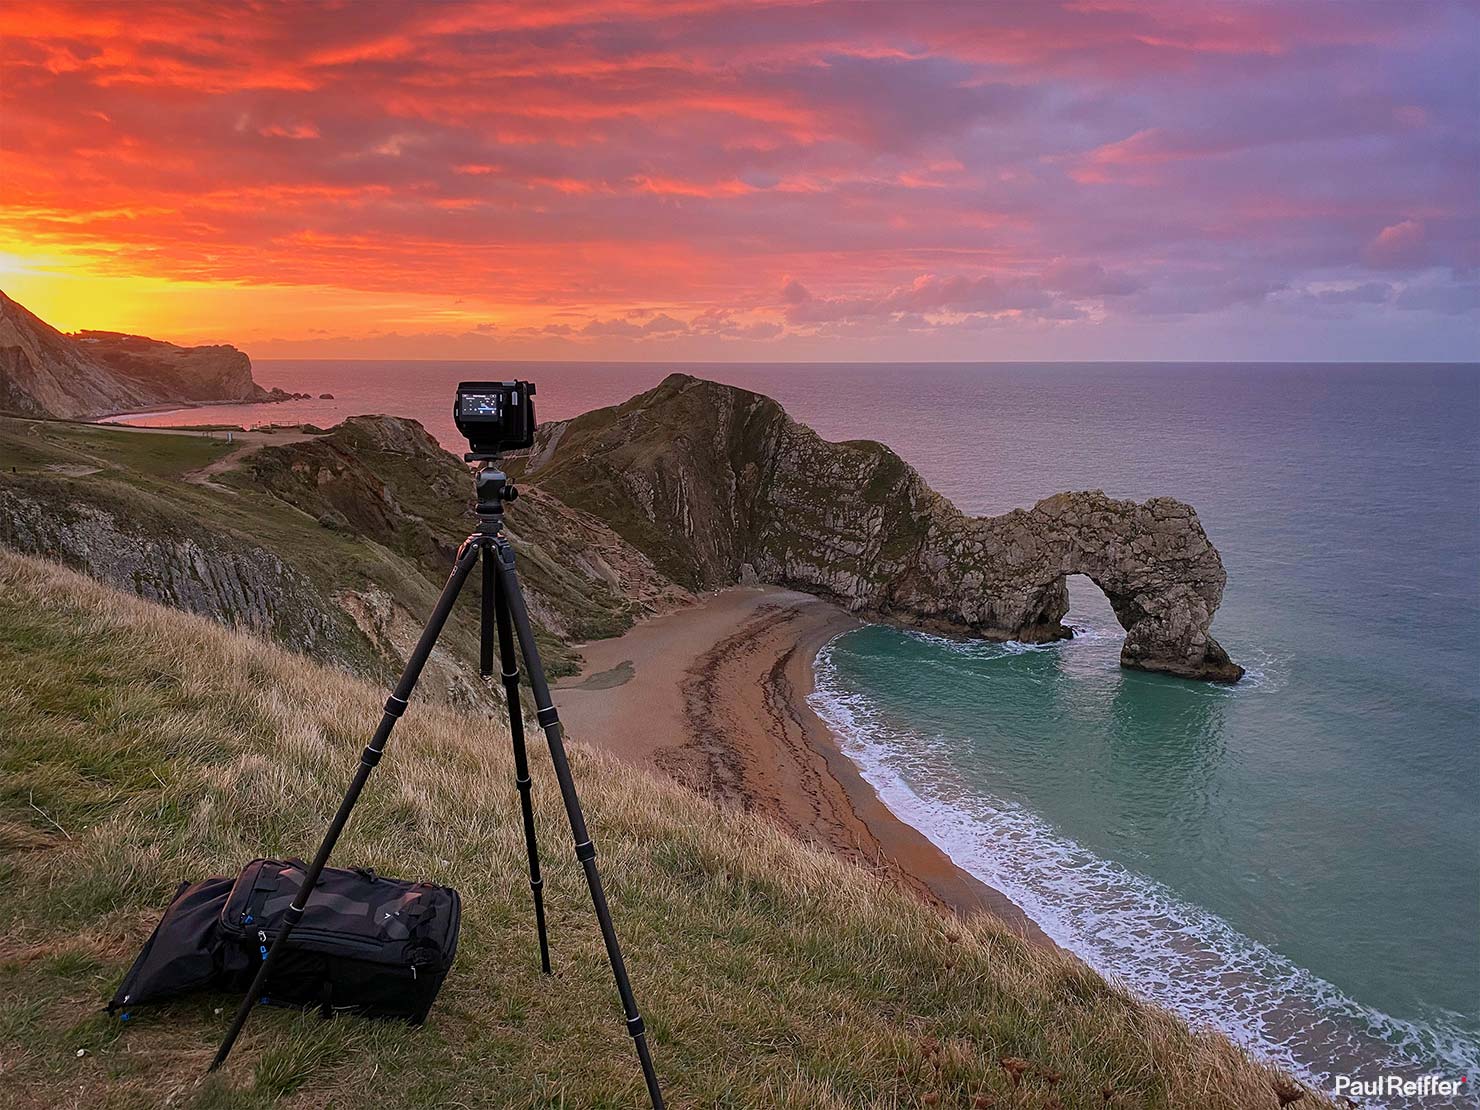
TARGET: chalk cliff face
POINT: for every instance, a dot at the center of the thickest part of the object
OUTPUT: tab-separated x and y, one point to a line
717	485
46	373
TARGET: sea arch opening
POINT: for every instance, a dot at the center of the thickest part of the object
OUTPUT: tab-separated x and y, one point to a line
1089	605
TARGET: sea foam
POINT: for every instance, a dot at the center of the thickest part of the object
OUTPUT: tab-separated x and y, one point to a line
1127	926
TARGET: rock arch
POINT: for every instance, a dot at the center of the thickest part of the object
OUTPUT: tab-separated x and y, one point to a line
1152	560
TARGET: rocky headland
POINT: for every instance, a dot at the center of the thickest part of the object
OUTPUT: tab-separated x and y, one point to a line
386	479
334	544
44	372
718	486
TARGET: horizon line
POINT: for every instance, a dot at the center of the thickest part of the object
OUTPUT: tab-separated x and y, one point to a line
897	362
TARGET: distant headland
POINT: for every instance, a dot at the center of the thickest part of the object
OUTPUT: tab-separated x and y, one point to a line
90	374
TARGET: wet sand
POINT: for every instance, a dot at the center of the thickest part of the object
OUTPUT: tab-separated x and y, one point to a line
715	695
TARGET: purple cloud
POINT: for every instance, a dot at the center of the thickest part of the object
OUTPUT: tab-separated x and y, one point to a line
911	170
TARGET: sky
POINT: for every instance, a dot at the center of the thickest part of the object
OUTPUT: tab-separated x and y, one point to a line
701	180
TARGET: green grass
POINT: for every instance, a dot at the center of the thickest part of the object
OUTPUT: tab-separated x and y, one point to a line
146	479
141	747
142	480
29	445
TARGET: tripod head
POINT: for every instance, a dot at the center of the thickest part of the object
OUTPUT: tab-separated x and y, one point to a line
492	487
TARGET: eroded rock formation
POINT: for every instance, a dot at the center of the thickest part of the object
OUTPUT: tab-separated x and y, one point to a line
179	563
717	485
1004	576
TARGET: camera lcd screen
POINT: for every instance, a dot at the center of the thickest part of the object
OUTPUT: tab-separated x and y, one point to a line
480	404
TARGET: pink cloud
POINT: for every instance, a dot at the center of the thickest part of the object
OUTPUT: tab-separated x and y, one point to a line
1397	245
906	166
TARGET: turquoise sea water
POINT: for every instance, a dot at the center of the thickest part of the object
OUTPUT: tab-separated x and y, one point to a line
1293	859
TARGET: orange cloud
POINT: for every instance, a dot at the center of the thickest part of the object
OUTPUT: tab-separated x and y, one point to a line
560	167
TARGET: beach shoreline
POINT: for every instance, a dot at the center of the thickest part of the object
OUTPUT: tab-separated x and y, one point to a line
118	419
715	695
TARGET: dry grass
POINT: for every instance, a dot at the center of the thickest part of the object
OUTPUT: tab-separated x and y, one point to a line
140	747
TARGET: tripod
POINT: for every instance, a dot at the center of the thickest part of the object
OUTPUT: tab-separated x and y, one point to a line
504	603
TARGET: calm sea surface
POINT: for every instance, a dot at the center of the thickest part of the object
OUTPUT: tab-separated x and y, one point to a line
1294	859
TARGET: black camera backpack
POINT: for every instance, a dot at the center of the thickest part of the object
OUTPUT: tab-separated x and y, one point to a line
367	944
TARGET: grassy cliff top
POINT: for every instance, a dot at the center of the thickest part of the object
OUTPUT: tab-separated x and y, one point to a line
142	746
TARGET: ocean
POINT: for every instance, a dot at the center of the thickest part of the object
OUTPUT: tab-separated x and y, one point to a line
1292	860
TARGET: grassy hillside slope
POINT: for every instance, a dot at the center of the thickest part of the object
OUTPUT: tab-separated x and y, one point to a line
140	746
333	544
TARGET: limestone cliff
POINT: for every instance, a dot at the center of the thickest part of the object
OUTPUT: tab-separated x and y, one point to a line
177	560
46	373
212	373
718	485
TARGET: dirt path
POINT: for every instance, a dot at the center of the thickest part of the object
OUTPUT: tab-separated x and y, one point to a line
244	443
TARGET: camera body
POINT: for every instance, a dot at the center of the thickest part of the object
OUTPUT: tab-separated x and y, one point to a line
495	416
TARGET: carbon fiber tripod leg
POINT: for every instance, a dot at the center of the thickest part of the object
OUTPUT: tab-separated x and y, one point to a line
395	705
585	850
496	613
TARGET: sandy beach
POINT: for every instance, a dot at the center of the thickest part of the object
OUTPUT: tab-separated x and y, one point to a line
716	696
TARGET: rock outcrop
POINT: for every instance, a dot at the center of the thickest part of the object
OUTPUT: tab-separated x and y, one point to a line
717	485
177	562
46	373
212	373
335	544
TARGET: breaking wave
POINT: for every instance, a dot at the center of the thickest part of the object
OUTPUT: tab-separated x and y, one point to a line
1127	926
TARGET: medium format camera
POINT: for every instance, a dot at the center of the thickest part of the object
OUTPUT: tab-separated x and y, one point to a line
495	416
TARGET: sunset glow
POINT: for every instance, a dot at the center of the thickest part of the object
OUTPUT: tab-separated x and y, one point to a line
715	180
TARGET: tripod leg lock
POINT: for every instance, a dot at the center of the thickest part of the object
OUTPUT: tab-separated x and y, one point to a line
585	851
635	1026
370	756
510	676
547	717
395	706
524	783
